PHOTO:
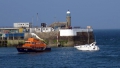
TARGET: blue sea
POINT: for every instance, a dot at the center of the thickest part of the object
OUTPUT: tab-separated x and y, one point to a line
68	57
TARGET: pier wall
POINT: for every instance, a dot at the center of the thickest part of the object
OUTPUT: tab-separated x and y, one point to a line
67	41
53	38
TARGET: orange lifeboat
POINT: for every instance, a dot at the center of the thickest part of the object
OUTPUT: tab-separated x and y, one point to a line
33	45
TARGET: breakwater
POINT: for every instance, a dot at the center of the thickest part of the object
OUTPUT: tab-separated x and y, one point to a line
66	41
52	39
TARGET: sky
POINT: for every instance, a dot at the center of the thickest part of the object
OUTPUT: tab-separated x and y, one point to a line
100	14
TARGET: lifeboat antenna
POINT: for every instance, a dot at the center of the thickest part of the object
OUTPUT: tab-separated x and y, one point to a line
37	18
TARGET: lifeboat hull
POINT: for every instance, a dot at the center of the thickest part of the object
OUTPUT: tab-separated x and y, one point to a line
23	49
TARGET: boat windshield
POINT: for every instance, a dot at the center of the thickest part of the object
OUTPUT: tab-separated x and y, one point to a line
33	43
28	42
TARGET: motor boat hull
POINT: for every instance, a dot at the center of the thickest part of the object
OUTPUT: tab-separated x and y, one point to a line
85	47
90	47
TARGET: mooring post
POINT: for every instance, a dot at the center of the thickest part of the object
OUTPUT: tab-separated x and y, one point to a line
57	39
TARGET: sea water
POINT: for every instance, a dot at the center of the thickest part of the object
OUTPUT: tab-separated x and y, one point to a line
68	57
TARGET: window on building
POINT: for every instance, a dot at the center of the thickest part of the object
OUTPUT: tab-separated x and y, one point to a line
43	28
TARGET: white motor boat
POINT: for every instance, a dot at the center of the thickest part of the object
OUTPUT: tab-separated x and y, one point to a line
89	47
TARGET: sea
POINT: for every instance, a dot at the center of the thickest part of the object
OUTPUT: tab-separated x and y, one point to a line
108	56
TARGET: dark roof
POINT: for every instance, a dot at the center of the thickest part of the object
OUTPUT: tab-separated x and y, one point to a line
58	24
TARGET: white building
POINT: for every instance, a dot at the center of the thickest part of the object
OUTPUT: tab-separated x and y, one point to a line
72	32
41	29
25	24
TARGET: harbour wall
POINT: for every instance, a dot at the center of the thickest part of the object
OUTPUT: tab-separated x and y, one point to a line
65	38
54	39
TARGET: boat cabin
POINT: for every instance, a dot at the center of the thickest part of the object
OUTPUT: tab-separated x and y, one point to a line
34	43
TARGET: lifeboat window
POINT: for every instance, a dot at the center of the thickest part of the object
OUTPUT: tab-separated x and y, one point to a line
33	43
37	43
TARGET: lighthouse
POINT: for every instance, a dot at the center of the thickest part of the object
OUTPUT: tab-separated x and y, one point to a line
68	18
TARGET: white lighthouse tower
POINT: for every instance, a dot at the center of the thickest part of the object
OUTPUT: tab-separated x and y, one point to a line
68	18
